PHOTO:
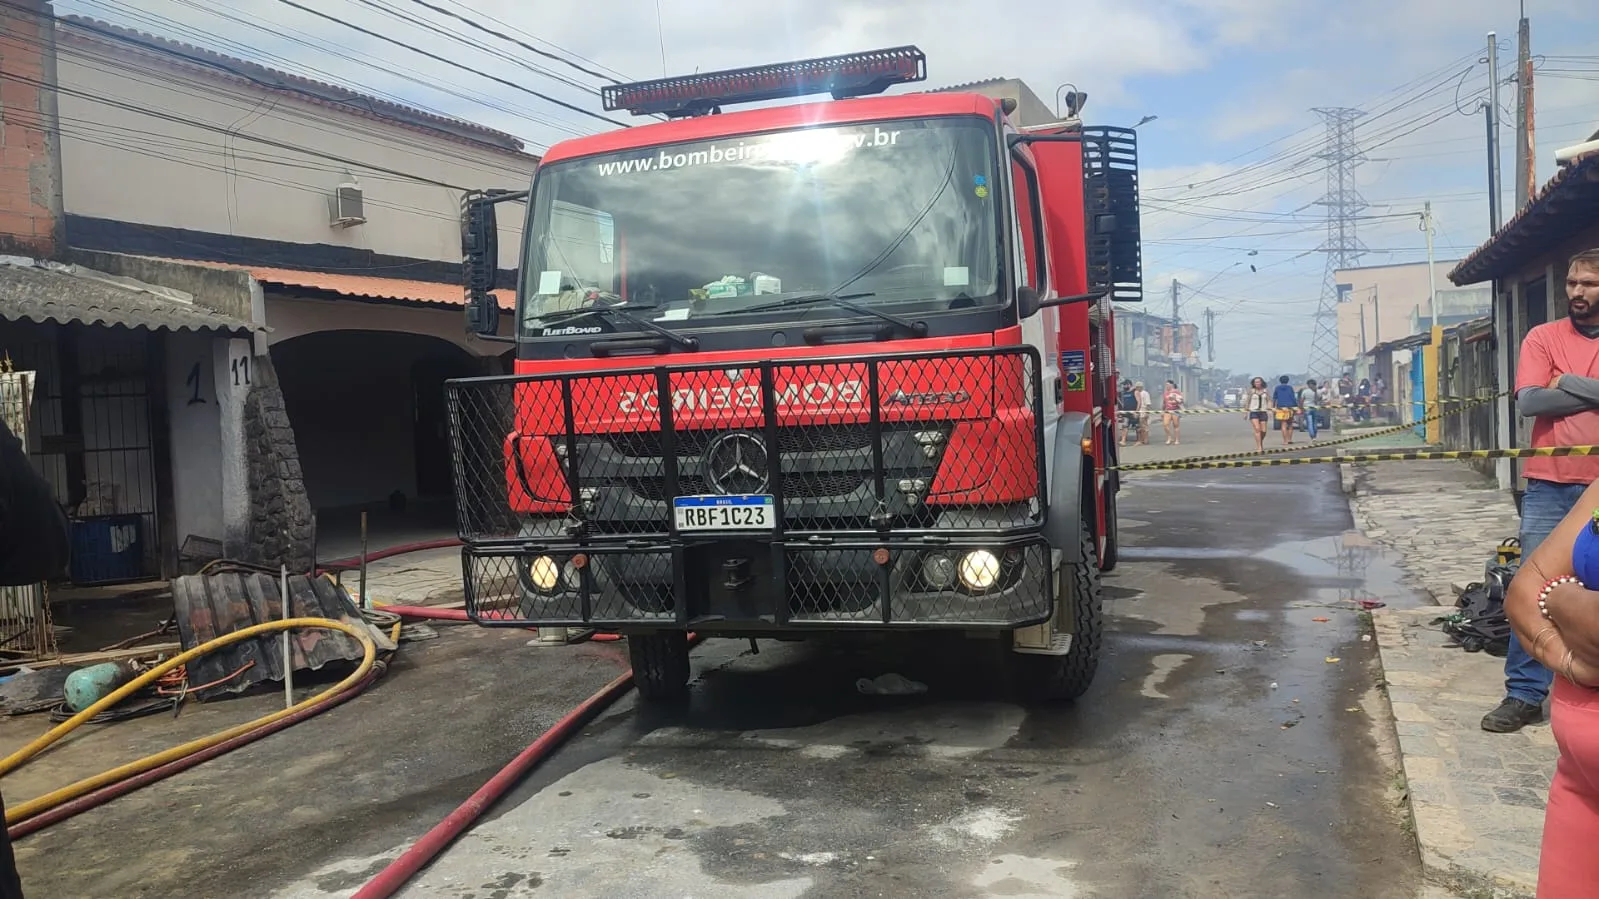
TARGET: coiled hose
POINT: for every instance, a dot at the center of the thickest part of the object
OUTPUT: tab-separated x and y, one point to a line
132	769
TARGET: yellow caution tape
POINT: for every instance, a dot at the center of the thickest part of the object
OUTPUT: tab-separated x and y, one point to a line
1355	438
1410	456
1441	401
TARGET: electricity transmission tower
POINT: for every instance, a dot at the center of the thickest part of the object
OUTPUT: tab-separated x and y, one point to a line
1342	246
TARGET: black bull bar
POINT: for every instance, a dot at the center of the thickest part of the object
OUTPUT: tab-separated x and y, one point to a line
882	490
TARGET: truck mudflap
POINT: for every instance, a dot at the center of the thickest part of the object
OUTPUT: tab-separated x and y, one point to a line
872	491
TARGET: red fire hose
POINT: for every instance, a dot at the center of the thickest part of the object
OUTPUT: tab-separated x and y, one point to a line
429	613
388	551
432	844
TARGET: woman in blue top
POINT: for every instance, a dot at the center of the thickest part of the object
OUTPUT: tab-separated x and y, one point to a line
1553	606
1287	401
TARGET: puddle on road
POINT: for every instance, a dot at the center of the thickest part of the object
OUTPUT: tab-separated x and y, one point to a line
1350	564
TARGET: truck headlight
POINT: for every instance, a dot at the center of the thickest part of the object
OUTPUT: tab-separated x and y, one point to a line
544	574
938	571
979	569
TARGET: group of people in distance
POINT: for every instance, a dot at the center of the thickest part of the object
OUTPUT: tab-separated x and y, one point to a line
1134	406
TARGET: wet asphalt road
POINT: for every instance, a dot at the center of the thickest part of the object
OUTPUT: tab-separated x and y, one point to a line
1232	746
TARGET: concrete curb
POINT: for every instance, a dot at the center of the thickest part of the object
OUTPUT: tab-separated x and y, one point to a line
1439	825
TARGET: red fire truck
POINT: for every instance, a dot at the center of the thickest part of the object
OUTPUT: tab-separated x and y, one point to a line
825	367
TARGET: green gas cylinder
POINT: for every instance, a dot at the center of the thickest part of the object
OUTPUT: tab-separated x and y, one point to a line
87	686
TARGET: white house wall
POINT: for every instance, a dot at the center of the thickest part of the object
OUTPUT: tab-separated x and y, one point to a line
135	167
194	409
294	317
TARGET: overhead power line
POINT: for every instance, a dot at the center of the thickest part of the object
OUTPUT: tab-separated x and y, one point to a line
468	20
450	62
218	129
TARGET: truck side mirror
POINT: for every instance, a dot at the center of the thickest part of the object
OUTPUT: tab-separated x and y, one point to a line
480	236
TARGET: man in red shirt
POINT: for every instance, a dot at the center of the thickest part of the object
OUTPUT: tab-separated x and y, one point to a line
1557	386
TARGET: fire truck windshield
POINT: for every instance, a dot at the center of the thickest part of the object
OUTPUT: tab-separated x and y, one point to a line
902	213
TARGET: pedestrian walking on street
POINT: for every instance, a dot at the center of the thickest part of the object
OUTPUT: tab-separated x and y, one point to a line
1257	410
1144	405
1286	402
1310	401
1127	412
1171	413
33	548
1557	386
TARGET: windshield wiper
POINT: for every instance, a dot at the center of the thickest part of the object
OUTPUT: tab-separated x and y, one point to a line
621	312
842	301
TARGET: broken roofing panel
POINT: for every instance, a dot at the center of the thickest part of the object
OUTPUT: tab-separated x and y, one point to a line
211	605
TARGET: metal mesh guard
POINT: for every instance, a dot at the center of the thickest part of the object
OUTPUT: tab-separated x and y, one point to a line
818	586
619	497
882	444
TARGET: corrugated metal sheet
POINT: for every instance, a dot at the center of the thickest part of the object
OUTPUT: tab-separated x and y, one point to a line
1568	203
399	289
208	606
66	294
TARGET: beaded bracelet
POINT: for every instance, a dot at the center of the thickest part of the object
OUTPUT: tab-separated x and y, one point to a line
1543	595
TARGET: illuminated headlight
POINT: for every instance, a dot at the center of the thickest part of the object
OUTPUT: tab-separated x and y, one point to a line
938	572
544	574
979	569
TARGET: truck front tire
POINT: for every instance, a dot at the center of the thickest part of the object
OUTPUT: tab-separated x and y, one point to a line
1066	677
660	664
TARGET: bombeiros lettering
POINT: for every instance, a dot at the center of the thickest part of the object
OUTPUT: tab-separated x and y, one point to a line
745	396
929	398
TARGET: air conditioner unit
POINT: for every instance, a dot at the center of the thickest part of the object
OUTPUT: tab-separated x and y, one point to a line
348	208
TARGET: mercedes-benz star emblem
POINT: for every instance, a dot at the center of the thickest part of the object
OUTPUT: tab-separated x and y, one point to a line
736	463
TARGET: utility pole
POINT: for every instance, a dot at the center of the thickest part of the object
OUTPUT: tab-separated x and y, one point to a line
1526	146
1432	269
1176	329
1210	334
1495	192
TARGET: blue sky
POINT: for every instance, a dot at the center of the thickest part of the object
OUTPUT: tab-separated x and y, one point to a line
1228	166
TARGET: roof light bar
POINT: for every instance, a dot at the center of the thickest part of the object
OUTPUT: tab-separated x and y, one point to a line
850	75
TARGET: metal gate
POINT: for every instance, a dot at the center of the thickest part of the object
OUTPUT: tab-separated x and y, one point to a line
90	437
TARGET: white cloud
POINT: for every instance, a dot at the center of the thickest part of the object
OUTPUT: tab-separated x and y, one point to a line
1214	192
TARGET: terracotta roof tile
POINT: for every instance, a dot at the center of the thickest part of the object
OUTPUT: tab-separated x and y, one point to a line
396	289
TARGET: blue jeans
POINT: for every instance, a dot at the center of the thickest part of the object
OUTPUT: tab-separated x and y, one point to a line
1310	423
1542	508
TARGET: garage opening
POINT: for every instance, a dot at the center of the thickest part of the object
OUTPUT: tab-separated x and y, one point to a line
368	413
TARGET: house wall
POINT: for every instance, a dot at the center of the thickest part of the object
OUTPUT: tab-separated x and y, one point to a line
1387	295
131	154
292	316
30	188
194	409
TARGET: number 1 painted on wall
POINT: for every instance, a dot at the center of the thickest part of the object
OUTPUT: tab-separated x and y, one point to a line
193	380
241	371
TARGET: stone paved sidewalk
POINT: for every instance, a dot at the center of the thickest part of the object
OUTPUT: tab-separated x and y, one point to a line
1476	798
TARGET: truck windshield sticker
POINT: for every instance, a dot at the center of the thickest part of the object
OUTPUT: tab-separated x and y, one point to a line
549	282
799	147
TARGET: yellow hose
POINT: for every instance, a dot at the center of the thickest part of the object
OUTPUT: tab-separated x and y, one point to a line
67	794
